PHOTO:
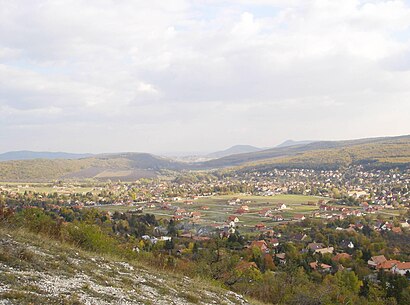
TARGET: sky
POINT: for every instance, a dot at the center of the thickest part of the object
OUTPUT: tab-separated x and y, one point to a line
199	76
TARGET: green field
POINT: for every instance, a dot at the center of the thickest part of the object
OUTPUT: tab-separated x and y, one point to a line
219	210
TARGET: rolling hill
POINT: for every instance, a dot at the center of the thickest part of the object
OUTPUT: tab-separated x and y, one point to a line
122	166
237	149
31	155
383	152
387	152
293	143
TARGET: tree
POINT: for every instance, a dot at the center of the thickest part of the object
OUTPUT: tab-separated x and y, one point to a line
269	264
169	245
348	280
172	228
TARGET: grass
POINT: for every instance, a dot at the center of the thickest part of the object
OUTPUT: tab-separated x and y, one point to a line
190	297
49	257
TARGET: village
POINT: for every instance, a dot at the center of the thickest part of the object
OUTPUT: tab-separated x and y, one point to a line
322	221
252	201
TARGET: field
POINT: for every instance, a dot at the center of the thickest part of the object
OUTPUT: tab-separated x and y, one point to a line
44	188
219	209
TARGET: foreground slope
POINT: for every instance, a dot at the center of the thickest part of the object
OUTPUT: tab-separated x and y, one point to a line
36	270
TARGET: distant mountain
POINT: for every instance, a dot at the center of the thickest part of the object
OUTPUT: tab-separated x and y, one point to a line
288	143
237	149
31	155
387	152
377	152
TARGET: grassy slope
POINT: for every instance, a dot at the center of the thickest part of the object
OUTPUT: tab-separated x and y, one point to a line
380	154
37	270
334	153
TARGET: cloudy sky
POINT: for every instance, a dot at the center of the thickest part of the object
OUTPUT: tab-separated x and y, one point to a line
168	76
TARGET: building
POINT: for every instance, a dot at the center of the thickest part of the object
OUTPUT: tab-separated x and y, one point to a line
374	261
320	267
260	244
401	268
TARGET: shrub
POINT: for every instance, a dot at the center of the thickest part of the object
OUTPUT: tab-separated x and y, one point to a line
89	237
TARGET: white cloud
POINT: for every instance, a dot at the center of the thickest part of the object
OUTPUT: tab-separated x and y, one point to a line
200	75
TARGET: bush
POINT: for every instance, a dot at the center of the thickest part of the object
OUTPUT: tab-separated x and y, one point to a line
37	221
90	237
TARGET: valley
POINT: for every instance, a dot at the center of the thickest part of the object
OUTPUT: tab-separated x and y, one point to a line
205	152
310	218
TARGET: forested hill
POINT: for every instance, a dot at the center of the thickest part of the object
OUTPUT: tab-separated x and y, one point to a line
389	152
374	152
121	166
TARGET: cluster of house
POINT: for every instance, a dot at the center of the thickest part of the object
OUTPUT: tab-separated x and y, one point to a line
377	187
324	268
381	263
236	201
378	226
154	239
180	214
271	211
327	211
374	189
269	245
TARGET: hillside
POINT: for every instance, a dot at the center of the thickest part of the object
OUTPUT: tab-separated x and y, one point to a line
237	149
387	152
124	166
288	143
37	270
31	155
383	152
383	155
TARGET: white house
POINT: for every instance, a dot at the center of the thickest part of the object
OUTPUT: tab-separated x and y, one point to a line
401	268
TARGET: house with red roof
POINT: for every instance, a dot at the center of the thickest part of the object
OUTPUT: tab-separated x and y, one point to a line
244	265
374	261
401	268
387	265
299	217
320	266
339	256
261	245
260	226
233	218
